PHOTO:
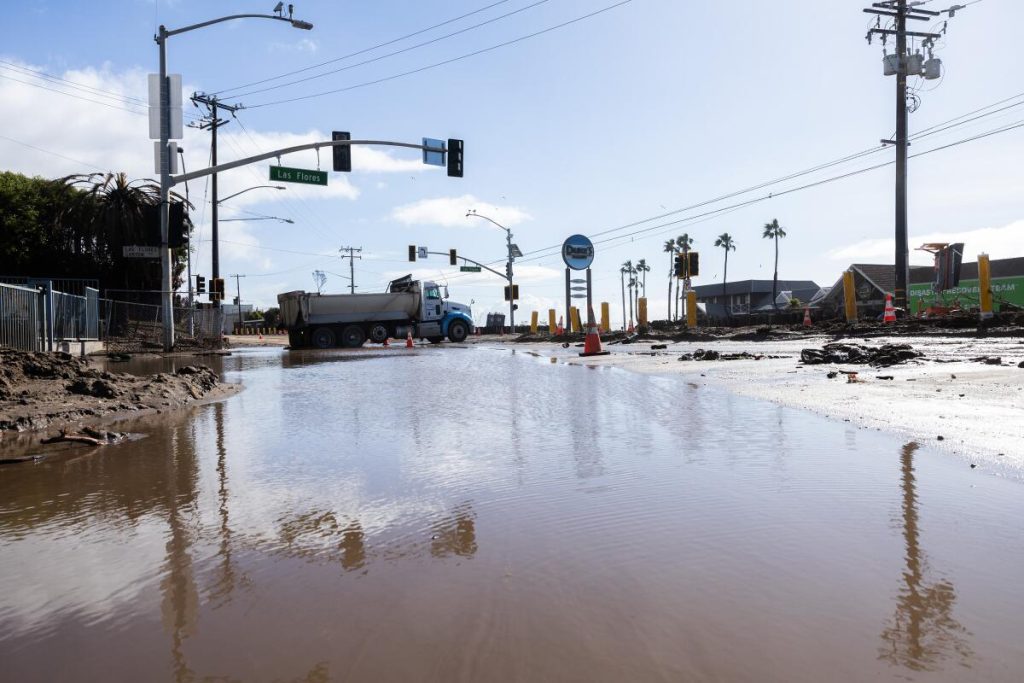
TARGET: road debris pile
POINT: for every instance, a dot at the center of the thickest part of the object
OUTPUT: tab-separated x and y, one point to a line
711	354
38	390
857	354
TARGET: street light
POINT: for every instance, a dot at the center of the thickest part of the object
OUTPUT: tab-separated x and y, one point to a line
254	187
513	250
165	162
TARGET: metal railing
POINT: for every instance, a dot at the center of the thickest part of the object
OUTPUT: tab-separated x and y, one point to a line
20	318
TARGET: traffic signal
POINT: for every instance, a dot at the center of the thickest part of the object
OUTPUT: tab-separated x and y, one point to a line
514	293
200	284
453	258
342	153
216	289
694	265
412	252
680	267
454	158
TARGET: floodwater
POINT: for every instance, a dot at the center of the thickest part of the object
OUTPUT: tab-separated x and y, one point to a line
468	514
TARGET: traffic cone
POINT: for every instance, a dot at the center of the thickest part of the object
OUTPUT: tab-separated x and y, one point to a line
630	328
408	339
807	316
560	330
890	312
592	343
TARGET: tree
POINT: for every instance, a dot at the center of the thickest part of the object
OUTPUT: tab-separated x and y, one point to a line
272	316
683	244
725	242
774	231
622	279
642	268
670	247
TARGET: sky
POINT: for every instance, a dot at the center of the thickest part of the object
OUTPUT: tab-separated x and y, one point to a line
624	121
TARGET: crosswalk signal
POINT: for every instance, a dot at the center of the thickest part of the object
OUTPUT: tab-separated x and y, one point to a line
200	284
694	265
342	153
680	266
453	258
412	252
454	158
513	295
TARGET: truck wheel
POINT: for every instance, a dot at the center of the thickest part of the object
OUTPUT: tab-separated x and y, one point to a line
323	338
352	337
458	331
378	333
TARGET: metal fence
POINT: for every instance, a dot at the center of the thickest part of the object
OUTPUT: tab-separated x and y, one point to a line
21	318
36	319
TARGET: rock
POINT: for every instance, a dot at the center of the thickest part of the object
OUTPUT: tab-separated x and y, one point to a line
1020	364
658	347
994	360
941	437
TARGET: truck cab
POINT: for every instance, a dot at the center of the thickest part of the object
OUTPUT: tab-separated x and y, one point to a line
438	317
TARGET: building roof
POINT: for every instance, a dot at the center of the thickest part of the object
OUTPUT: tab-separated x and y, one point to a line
754	287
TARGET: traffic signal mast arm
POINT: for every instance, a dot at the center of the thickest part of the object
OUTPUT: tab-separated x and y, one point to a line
175	179
503	276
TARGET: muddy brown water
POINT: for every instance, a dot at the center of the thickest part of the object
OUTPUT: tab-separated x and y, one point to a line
485	515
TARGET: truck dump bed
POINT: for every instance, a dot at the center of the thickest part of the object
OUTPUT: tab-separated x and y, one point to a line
312	309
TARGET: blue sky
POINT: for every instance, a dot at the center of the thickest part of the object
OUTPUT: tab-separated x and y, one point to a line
643	109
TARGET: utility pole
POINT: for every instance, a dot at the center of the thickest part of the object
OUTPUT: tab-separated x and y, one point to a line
351	256
238	299
902	64
212	123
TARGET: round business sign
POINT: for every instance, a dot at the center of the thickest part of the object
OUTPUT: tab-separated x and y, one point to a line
578	252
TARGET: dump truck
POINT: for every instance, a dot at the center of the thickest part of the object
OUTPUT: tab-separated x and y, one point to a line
324	321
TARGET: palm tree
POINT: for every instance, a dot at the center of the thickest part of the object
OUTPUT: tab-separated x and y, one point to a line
628	269
683	244
643	269
670	247
774	231
622	278
725	242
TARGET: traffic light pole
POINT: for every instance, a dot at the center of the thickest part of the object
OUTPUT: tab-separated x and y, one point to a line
902	248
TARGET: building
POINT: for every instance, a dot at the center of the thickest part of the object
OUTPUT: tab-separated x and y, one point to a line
752	296
873	281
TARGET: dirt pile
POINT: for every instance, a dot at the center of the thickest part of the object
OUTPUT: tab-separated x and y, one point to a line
857	354
38	390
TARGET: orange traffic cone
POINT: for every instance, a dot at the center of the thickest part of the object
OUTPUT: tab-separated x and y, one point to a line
807	316
408	339
560	330
592	343
890	312
630	328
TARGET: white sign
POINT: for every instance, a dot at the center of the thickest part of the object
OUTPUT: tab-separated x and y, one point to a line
138	251
174	102
422	252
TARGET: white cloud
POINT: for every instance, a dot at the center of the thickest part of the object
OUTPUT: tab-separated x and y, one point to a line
1003	242
451	212
300	45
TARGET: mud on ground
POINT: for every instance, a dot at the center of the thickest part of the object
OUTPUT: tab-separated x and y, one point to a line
42	390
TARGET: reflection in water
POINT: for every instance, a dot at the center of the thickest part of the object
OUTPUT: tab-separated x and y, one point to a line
221	592
923	630
455	534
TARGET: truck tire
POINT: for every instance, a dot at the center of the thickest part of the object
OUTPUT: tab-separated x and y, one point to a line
323	338
352	337
458	330
378	333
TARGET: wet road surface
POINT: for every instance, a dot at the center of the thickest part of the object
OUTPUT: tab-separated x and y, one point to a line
475	514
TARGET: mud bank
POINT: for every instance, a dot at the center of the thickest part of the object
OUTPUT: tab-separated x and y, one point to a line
964	396
40	391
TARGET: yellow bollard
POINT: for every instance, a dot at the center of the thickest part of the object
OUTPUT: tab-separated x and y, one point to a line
641	311
985	285
533	322
552	325
576	326
605	317
691	309
850	297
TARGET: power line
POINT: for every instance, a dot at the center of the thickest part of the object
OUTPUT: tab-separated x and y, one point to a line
56	154
127	99
447	61
363	51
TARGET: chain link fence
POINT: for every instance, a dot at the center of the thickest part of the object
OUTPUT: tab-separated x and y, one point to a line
131	326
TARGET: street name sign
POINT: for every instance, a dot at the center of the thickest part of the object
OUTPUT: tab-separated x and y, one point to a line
433	158
285	174
422	252
578	252
139	251
470	269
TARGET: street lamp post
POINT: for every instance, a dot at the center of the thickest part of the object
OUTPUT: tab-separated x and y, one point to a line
254	187
508	266
165	162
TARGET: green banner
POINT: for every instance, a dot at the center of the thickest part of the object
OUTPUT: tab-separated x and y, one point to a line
967	294
298	175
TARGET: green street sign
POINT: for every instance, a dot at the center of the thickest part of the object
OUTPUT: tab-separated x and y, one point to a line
298	175
470	269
